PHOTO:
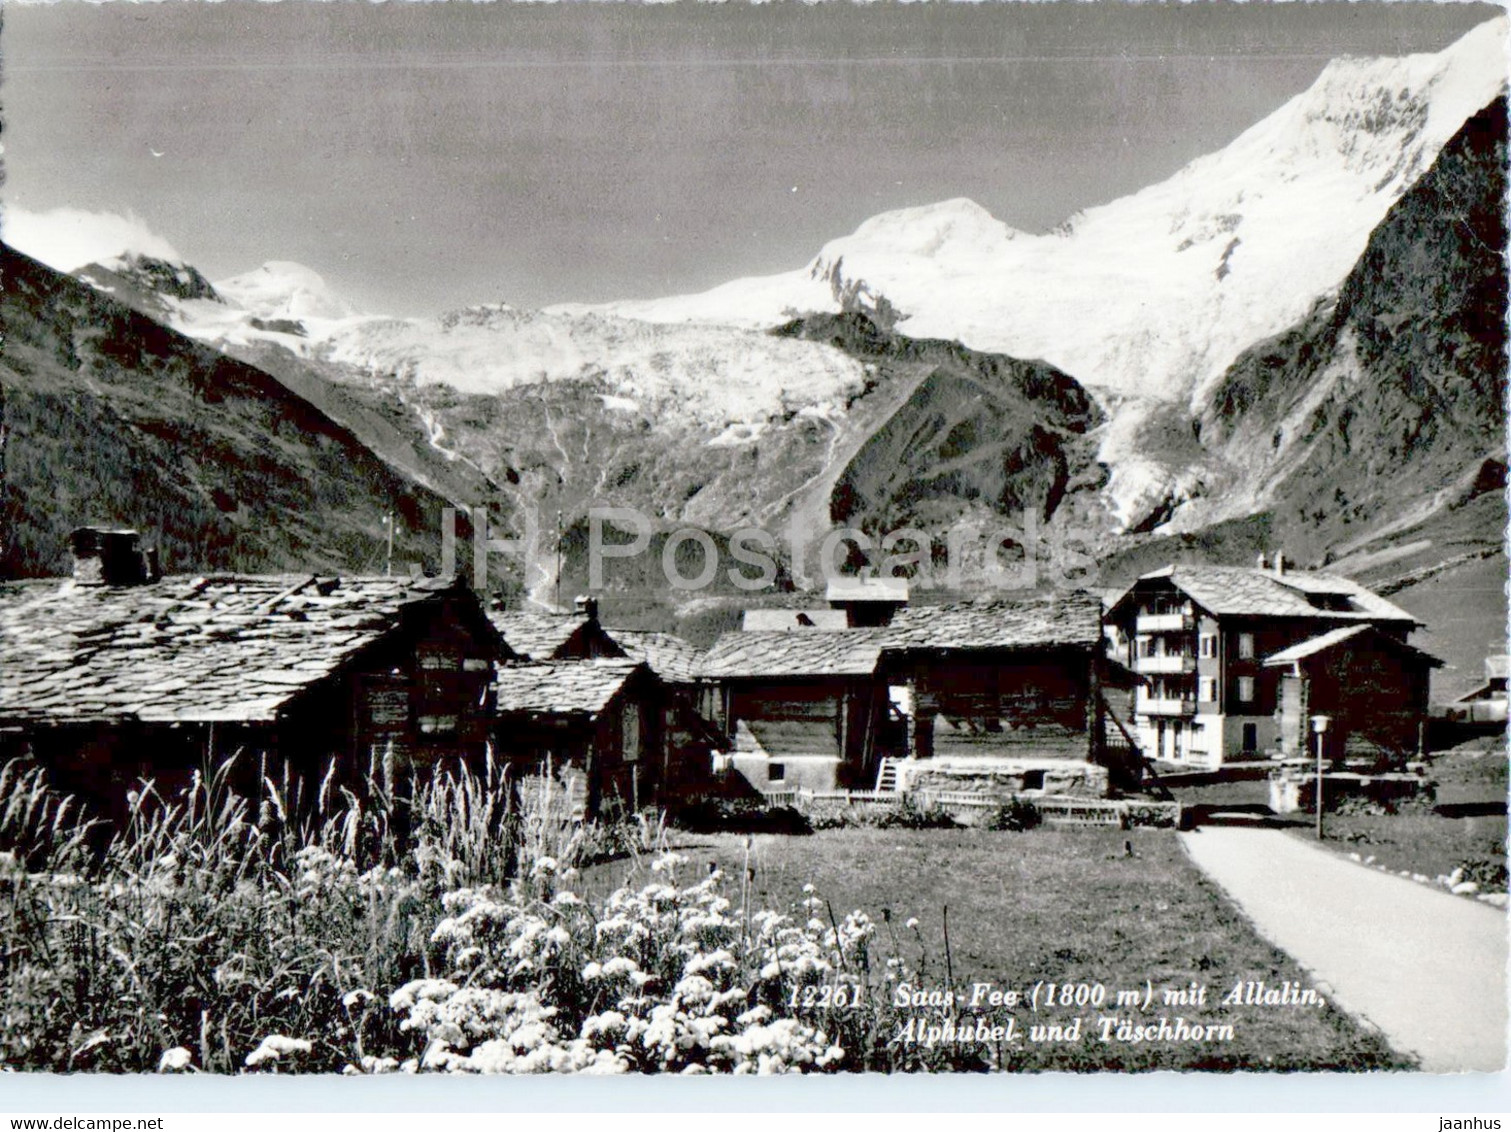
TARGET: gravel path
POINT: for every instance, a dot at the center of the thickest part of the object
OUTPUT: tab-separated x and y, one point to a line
1426	967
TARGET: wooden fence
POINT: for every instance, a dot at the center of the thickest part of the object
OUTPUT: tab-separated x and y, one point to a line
1107	812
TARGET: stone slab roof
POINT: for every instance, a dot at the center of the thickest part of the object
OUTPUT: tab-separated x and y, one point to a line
536	636
1056	619
817	652
667	655
1312	646
561	687
1250	592
1073	619
210	649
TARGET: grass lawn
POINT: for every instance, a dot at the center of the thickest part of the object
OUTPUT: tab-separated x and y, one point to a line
1059	906
1424	843
1469	778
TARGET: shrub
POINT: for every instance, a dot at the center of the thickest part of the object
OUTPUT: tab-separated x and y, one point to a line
905	813
1017	815
1157	815
910	815
738	815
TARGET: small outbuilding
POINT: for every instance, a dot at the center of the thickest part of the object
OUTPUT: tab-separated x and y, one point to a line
595	721
1371	686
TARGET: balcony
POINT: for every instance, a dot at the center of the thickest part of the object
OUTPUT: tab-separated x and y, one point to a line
1165	665
1149	705
1165	622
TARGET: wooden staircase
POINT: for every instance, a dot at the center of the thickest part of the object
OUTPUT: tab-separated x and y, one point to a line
887	776
1125	747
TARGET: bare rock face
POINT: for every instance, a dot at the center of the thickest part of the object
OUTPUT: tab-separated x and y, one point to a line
1388	398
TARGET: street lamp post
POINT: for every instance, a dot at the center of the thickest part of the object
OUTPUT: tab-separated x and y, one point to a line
1319	729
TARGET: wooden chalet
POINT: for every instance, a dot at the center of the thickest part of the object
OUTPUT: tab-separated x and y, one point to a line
1015	688
1370	685
597	722
113	676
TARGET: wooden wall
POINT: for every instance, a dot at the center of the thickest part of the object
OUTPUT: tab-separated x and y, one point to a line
1376	698
1019	703
827	730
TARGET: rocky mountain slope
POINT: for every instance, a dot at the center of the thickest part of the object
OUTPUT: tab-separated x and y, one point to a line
978	436
112	418
1386	402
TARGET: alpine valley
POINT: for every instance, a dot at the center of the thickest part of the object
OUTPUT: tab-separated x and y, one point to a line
1297	341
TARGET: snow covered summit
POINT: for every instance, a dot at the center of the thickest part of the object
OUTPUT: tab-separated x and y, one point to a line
280	289
1152	296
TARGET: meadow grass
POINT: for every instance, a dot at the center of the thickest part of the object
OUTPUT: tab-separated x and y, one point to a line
1054	905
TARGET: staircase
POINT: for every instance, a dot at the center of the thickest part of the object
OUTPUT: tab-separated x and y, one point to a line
889	776
1120	745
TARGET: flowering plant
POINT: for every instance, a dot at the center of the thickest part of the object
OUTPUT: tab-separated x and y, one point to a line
663	978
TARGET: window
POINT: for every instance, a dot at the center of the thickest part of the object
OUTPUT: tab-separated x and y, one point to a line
1246	646
437	725
1209	644
476	664
776	772
1246	689
1209	689
1033	780
1250	737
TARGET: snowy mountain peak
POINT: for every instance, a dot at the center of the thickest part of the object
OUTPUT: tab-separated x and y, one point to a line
943	231
280	289
1148	299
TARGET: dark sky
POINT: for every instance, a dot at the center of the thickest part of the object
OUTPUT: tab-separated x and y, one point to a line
426	156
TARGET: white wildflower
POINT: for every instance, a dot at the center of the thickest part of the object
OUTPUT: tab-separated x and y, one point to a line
274	1047
175	1060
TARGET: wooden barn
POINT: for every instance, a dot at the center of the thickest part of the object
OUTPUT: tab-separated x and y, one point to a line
801	709
597	722
1012	688
1371	686
115	677
690	742
1016	684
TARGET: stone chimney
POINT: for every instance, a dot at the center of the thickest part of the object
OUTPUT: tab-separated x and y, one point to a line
1280	564
1264	563
111	558
587	606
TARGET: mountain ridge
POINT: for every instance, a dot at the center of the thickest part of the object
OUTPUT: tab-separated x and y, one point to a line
113	418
